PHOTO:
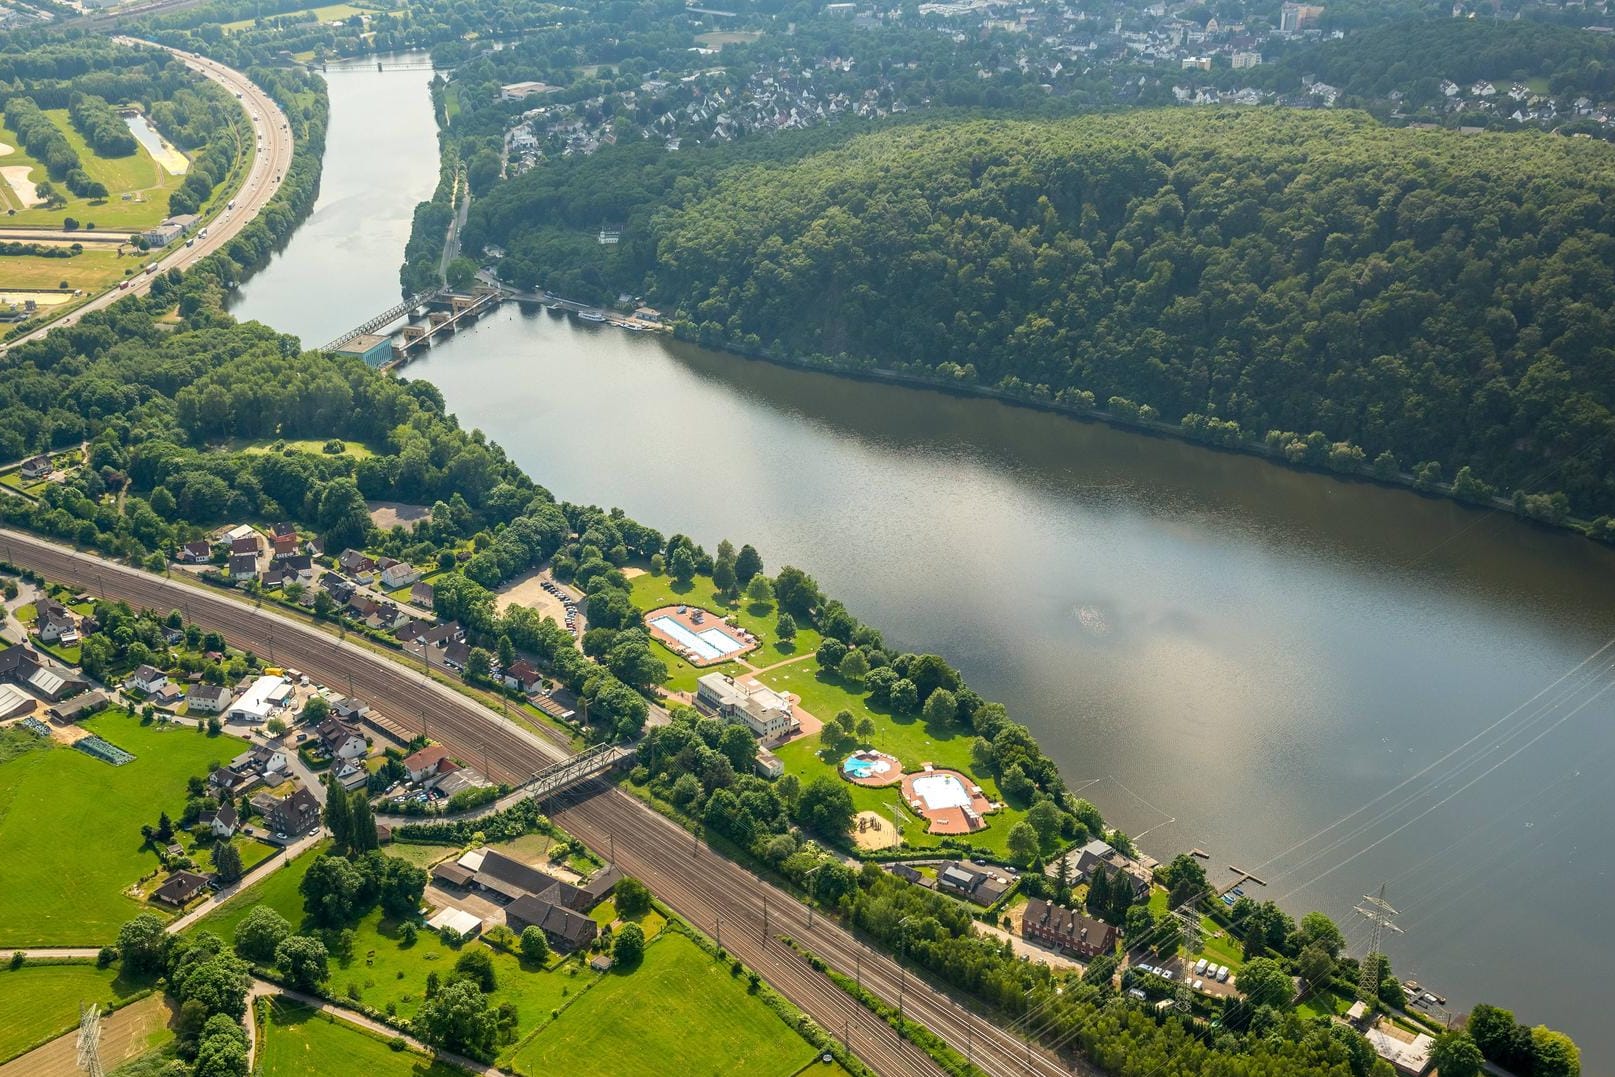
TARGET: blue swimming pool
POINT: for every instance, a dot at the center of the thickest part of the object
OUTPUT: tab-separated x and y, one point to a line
709	644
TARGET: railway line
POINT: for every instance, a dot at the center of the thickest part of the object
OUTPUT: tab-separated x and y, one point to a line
697	883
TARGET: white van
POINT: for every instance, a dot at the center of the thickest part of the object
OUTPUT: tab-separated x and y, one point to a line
1222	974
1200	967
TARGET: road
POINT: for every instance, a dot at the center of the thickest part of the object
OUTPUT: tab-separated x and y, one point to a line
699	885
269	165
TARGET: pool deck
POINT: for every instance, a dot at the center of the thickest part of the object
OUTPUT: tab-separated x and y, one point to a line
709	621
949	821
891	776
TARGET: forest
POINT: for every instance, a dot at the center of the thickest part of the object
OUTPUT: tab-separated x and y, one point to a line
1346	295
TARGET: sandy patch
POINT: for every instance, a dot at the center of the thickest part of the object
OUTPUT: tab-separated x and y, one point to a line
631	572
124	1035
24	188
5	149
871	831
42	299
528	590
387	514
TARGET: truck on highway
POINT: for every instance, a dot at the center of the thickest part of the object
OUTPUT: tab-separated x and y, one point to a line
152	268
230	204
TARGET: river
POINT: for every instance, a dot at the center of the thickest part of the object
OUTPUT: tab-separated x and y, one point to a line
1220	652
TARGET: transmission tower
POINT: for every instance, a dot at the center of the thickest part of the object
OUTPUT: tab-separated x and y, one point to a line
1189	919
1379	914
89	1041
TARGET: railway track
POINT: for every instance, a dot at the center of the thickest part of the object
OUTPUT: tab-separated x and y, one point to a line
698	884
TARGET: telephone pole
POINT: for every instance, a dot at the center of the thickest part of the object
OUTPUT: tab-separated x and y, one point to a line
1379	914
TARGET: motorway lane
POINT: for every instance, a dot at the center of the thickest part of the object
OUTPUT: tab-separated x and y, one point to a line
698	884
269	166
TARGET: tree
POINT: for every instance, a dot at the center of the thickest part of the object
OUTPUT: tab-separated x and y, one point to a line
723	575
1315	966
457	1017
1264	982
476	965
400	885
302	959
853	666
331	890
747	564
165	828
1137	925
1499	1037
825	807
1023	843
1554	1054
535	947
1188	881
1098	900
941	707
1456	1055
221	1050
260	932
219	982
1048	820
904	697
338	814
143	944
759	592
478	664
227	862
506	651
362	837
738	746
343	517
629	947
784	627
462	271
1318	930
681	565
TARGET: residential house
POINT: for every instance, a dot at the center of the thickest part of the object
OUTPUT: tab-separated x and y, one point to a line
263	760
421	595
1407	1052
341	740
243	566
35	468
566	930
1067	929
1099	855
521	674
425	763
292	815
195	553
912	874
284	545
444	634
971	882
348	710
339	589
223	822
357	565
456	654
246	544
413	629
55	623
207	699
396	574
764	711
768	764
230	783
352	774
147	679
180	888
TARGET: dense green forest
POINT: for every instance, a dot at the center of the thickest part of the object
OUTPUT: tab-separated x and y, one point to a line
1343	292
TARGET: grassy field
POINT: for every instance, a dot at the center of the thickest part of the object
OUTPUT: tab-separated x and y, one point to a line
138	174
70	825
39	1002
92	270
327	13
719	38
278	890
679	1009
298	1040
315	446
423	856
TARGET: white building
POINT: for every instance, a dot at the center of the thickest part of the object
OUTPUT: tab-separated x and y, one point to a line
266	696
764	711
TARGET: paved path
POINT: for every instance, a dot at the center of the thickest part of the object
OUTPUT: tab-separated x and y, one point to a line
269	165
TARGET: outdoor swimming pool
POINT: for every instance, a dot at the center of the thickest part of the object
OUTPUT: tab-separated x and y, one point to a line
862	766
708	644
941	791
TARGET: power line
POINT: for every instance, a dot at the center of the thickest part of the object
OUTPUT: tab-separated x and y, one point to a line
1380	917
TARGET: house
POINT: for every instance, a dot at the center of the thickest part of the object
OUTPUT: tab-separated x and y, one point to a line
444	634
972	883
207	699
171	228
223	822
600	884
413	629
348	710
768	764
243	566
510	877
450	873
1067	929
521	674
352	775
912	874
285	545
566	930
261	759
425	763
421	595
518	91
263	698
35	468
22	665
292	815
180	888
147	679
396	574
357	565
764	711
246	544
55	623
1407	1052
341	740
456	654
1099	855
339	589
80	706
228	783
195	553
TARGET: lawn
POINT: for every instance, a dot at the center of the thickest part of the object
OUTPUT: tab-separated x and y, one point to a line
70	825
278	890
1217	946
39	1002
298	1040
327	13
650	591
357	450
252	852
422	856
136	174
679	1009
93	270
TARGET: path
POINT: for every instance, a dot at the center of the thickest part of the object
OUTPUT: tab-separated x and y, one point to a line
125	1034
269	166
265	989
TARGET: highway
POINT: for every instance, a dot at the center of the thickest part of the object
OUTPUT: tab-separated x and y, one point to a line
269	164
700	885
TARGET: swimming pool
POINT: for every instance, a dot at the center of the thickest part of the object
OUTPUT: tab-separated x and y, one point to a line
941	791
859	766
708	644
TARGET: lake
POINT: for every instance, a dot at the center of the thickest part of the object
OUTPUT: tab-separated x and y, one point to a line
1221	653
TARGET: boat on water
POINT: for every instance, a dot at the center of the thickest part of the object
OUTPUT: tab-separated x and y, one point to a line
591	316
